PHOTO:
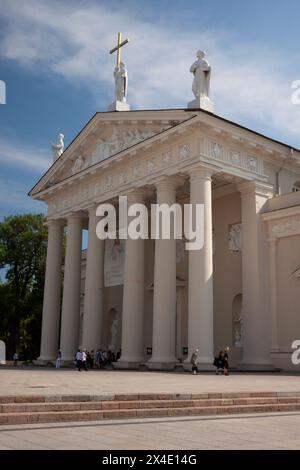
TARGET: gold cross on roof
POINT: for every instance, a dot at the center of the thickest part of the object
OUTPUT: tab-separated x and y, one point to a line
118	48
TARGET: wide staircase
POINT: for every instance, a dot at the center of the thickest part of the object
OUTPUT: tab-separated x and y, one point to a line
57	408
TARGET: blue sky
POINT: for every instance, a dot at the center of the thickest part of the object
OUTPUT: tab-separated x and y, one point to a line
58	73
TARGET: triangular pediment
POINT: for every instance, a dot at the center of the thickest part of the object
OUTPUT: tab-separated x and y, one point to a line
110	141
102	139
112	136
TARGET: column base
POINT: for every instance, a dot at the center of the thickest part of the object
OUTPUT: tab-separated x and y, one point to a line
161	363
128	363
43	361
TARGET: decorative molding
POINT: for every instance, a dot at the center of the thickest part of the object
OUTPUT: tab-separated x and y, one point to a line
235	157
171	158
184	151
252	163
216	150
285	228
167	158
151	165
108	147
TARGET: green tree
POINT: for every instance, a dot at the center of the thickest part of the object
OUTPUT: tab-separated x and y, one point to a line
23	246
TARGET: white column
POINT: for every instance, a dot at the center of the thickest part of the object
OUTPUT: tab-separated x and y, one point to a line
94	285
164	295
52	292
200	287
255	270
132	349
71	295
273	292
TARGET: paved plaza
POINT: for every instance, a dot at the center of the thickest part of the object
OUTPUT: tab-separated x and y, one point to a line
30	381
252	431
268	431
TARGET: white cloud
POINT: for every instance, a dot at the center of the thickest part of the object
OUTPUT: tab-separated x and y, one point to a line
73	39
26	157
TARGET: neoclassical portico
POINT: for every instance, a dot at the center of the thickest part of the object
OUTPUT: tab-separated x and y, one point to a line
164	157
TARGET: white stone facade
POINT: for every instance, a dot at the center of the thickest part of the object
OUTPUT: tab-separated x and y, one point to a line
170	303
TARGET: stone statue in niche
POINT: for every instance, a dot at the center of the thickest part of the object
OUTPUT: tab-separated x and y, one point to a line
235	238
237	330
114	334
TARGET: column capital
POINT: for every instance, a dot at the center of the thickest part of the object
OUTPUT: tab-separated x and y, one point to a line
137	196
168	183
55	224
273	240
200	172
75	217
255	187
92	210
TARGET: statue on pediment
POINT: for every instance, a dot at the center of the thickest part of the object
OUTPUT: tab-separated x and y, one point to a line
58	148
121	82
201	70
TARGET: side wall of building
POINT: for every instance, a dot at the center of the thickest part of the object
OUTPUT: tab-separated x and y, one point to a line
227	272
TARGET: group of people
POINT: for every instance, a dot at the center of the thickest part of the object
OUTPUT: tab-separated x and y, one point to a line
85	359
100	359
221	362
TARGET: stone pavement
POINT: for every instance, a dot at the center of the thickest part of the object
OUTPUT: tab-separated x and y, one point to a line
41	381
267	431
255	431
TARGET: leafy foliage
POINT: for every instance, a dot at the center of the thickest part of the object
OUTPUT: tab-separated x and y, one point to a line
23	246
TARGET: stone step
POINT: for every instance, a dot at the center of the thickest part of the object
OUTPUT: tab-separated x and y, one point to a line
141	397
94	415
140	404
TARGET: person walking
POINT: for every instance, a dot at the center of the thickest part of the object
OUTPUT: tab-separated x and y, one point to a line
84	359
78	359
16	358
194	361
58	359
